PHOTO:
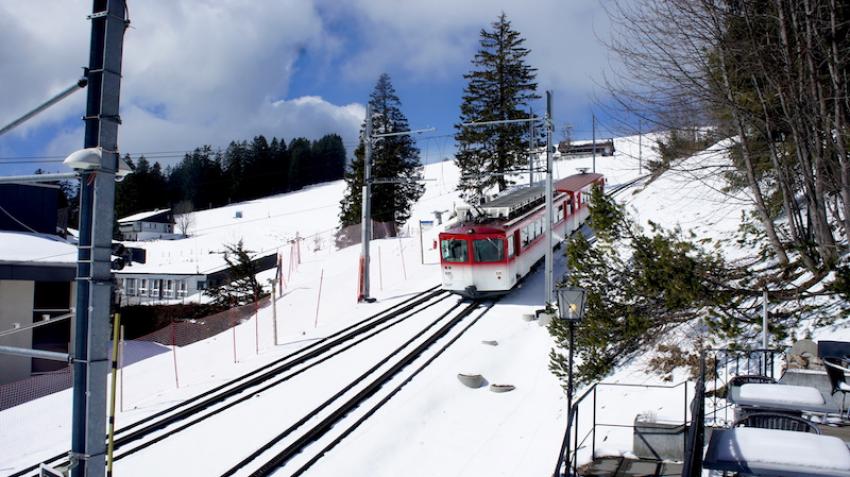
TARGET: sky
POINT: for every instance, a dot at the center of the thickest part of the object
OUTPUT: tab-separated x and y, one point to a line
211	71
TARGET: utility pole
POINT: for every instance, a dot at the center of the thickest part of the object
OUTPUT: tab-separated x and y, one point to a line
94	276
593	120
532	145
366	221
549	259
640	146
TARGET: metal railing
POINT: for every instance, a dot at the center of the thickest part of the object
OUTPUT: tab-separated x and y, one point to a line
567	458
717	365
723	364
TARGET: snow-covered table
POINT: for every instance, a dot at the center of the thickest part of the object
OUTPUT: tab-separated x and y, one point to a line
781	397
777	453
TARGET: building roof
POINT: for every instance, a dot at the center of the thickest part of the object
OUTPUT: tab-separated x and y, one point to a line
32	247
576	182
41	257
143	215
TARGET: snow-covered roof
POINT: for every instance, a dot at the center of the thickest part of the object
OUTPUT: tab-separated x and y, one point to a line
143	215
33	247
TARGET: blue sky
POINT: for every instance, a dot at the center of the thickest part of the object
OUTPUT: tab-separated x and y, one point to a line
205	72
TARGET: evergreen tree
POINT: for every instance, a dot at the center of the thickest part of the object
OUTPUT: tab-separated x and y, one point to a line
395	157
500	86
330	154
243	287
300	163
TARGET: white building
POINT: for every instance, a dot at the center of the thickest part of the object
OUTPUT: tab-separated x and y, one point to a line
150	225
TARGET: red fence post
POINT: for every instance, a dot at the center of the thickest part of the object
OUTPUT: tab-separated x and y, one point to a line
234	343
257	324
174	353
319	299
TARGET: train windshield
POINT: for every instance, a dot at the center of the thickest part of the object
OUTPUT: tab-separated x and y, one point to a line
489	250
454	250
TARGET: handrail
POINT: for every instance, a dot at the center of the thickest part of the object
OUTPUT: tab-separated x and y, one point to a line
567	456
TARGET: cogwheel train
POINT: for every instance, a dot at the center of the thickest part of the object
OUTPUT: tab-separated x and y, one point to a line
495	245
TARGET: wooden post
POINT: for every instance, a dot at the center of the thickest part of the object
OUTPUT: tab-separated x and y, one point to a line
274	314
380	270
111	445
257	325
174	353
319	299
401	253
234	345
121	366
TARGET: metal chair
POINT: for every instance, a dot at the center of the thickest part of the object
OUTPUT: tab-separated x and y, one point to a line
772	420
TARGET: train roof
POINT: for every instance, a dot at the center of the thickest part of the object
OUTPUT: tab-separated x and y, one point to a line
577	181
477	229
508	205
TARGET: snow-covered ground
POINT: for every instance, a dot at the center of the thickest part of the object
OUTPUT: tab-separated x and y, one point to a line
434	426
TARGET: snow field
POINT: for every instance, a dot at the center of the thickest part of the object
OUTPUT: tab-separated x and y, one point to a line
434	425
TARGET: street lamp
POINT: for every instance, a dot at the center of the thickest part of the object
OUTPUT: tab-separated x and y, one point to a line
571	301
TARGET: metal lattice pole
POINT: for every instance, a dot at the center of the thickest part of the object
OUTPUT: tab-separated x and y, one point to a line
549	258
94	276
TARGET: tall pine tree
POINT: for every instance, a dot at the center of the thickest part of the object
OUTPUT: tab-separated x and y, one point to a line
395	157
500	86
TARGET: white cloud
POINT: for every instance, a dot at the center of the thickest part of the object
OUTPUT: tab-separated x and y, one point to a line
200	72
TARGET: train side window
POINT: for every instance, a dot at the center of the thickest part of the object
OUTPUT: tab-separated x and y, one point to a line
454	250
524	235
488	250
510	246
559	215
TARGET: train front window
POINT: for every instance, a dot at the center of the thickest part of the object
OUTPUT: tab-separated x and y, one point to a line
489	250
454	250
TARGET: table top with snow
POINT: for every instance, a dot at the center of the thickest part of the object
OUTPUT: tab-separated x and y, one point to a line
777	453
778	396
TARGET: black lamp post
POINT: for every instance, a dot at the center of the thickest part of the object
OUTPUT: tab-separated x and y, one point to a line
570	308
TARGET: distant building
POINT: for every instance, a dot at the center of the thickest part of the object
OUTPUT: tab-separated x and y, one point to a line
604	147
151	225
37	277
165	283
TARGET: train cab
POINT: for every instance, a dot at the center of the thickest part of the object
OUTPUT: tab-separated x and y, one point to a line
475	260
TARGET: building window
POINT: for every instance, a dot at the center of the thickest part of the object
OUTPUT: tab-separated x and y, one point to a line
130	286
202	285
155	288
168	289
181	289
143	287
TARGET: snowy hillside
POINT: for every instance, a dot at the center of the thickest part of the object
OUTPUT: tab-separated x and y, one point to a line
435	426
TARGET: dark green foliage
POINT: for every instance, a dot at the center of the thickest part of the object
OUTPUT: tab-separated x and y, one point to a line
243	171
395	157
637	284
679	144
501	86
243	287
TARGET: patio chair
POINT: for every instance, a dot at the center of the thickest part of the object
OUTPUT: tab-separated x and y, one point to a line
837	380
771	420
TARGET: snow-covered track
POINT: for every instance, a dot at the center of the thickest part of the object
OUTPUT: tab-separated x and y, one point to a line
352	402
163	424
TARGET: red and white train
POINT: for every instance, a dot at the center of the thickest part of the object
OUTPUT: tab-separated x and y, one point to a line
496	244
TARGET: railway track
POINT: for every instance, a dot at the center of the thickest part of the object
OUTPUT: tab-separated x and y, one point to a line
168	422
325	426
